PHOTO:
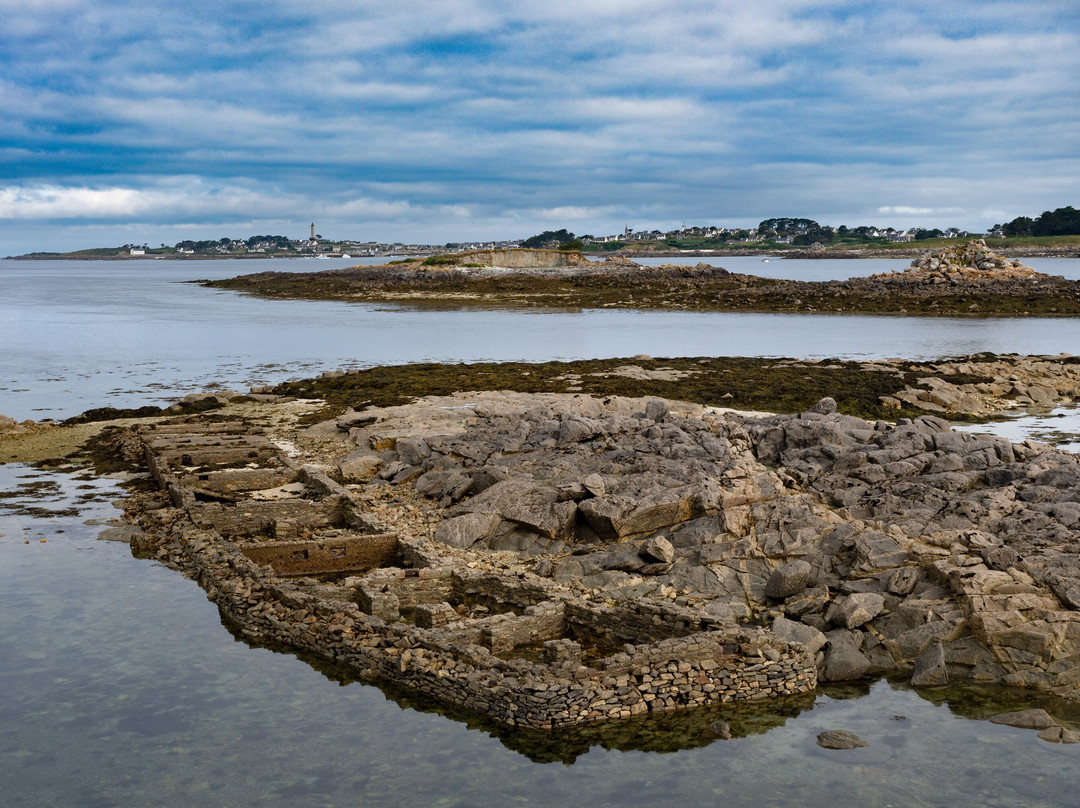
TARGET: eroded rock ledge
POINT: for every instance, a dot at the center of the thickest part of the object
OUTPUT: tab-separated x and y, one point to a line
969	280
551	560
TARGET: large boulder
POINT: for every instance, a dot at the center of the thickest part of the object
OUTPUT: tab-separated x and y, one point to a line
789	630
844	662
857	609
790	579
930	670
466	530
359	466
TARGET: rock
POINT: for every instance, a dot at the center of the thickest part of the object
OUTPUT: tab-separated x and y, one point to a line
790	579
1060	735
902	580
656	569
359	466
826	406
789	630
808	601
719	729
452	483
913	643
594	484
930	668
875	551
466	530
412	451
571	492
625	561
575	429
553	520
844	662
1025	719
1067	588
120	532
656	409
857	609
1000	558
613	517
839	739
657	549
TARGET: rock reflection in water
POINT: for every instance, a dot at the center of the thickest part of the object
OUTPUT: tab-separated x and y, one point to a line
122	689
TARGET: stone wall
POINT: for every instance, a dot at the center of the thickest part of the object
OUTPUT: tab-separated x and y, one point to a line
522	259
673	674
505	644
635	622
342	554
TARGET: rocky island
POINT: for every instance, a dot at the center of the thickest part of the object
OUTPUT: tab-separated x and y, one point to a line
968	280
554	559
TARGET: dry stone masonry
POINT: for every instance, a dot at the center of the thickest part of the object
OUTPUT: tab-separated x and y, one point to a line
517	647
973	261
552	560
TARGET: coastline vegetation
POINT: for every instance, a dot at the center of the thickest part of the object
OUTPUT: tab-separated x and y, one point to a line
1053	230
770	385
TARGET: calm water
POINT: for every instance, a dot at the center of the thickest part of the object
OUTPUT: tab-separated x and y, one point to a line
78	335
121	687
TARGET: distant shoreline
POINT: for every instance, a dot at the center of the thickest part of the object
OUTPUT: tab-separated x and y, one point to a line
908	250
1064	251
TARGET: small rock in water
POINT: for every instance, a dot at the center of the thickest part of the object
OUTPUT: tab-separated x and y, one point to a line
839	739
1025	719
721	729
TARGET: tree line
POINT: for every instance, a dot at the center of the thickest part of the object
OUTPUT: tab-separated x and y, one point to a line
1061	222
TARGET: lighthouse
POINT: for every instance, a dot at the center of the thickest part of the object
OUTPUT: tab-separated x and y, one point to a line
313	231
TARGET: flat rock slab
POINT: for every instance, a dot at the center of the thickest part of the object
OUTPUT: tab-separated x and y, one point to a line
839	739
1025	719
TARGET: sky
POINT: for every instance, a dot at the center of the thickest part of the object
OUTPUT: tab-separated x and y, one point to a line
435	120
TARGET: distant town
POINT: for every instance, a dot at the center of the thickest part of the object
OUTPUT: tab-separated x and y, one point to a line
776	234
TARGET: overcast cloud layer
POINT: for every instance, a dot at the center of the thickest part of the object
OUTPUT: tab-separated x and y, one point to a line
433	121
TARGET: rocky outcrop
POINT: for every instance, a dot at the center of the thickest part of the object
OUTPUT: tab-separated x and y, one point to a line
973	262
904	545
560	559
981	387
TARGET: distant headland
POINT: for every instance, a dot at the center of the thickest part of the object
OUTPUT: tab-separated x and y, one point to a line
1053	233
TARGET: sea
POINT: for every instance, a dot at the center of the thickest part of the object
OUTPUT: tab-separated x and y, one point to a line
122	686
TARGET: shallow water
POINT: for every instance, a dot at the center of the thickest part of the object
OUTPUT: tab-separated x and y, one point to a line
122	688
1059	427
836	269
78	335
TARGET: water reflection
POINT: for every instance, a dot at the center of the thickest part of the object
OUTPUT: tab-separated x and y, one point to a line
689	729
77	335
121	688
1059	427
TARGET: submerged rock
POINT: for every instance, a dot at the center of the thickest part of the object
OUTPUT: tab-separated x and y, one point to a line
839	739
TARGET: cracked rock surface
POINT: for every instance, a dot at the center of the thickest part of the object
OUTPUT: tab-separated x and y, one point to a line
878	545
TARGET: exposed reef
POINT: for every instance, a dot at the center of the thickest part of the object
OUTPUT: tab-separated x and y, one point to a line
550	560
968	280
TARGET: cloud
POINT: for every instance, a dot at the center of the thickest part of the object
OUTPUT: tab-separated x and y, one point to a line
429	116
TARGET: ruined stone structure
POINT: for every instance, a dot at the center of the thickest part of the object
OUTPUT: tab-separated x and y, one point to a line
552	560
972	262
522	258
518	648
